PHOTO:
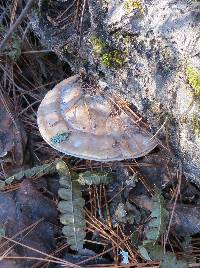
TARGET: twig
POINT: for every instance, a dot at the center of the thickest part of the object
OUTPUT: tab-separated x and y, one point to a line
30	258
81	21
174	206
37	51
162	126
14	26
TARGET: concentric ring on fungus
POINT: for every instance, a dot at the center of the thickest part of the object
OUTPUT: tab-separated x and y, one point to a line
79	124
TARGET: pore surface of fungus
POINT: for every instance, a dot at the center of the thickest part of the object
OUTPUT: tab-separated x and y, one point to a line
88	125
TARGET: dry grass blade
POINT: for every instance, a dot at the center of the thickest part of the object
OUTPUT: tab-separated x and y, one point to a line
110	234
13	12
123	106
54	259
130	265
41	263
120	244
180	173
144	181
27	230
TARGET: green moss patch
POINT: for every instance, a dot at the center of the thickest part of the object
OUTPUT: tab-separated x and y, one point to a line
193	76
98	45
111	58
130	5
114	58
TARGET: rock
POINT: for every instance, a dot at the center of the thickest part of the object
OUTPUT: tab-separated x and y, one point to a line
141	50
165	45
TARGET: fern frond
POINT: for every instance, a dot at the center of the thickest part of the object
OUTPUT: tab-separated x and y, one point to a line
71	207
96	178
157	225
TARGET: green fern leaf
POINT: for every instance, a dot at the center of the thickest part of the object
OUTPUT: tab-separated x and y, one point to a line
96	178
37	171
71	207
167	259
170	261
157	225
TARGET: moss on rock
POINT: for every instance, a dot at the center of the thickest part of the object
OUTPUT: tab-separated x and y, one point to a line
114	58
193	76
111	58
98	44
130	5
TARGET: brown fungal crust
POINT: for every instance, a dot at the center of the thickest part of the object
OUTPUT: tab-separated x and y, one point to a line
87	126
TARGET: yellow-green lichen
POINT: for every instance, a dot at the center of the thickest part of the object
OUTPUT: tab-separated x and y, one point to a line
111	58
130	5
114	58
98	44
127	40
193	76
196	124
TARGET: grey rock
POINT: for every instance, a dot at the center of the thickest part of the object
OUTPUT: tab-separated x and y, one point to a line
168	41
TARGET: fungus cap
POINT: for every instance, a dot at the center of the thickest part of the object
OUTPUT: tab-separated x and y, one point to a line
87	126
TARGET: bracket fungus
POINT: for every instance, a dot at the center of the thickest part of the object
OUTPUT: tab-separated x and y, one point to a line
86	124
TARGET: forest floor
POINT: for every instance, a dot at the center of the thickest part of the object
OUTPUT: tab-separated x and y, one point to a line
149	216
